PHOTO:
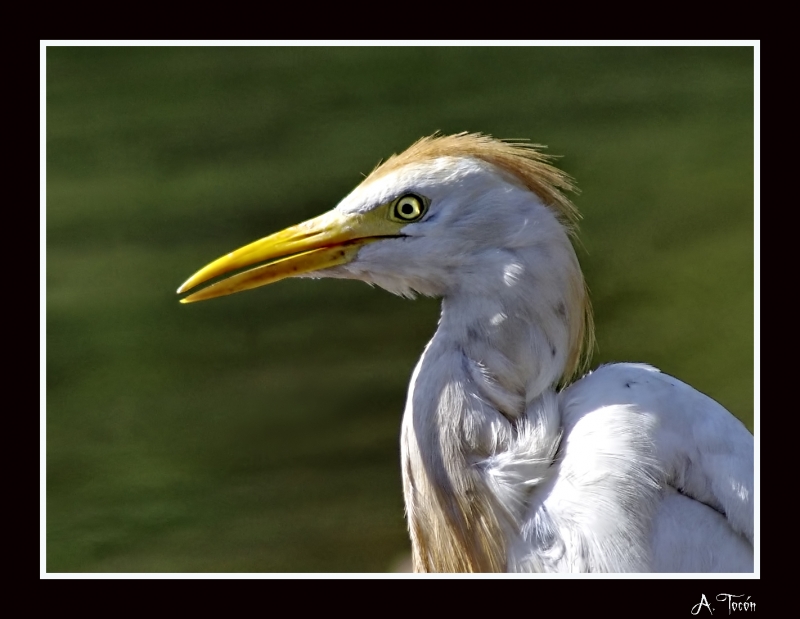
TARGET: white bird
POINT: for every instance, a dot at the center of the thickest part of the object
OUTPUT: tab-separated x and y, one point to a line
505	468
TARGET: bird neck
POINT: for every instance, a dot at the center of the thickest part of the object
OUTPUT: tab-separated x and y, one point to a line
522	343
493	362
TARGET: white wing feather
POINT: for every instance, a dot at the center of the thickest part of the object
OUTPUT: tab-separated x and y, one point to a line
651	475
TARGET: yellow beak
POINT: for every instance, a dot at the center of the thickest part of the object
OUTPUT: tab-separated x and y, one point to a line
325	241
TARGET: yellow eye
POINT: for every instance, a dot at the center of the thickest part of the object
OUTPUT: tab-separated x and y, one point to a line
409	208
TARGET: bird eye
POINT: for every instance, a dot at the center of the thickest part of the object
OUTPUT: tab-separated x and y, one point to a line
408	208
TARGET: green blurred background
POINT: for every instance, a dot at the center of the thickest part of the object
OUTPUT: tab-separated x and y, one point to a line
259	432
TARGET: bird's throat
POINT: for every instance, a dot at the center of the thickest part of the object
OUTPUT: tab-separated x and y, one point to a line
475	381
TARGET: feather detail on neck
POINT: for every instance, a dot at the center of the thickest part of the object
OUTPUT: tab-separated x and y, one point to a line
474	447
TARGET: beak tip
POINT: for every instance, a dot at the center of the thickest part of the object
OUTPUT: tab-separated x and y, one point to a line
185	286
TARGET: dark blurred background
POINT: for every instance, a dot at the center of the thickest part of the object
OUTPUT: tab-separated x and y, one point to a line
259	432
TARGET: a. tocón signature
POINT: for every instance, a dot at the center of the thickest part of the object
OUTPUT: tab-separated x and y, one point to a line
735	603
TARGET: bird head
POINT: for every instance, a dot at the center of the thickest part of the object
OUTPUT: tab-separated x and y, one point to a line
452	215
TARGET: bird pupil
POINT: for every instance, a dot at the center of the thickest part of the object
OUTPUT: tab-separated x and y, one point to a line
407	209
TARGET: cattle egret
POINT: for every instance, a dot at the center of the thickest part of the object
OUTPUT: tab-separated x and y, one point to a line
506	466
